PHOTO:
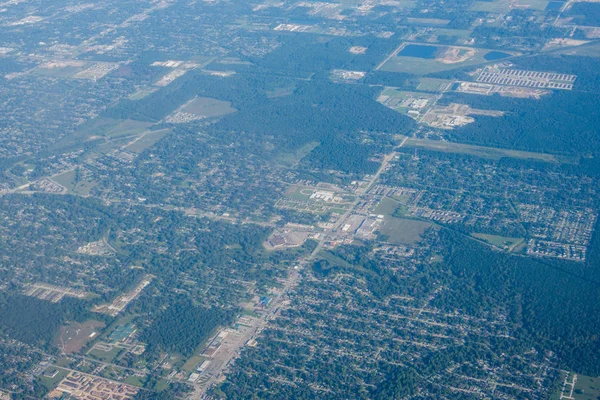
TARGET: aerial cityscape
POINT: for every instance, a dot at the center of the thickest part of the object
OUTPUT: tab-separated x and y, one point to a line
286	199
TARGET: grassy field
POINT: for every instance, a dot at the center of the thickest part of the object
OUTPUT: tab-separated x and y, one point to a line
485	152
403	231
292	158
386	206
134	380
504	242
102	128
504	6
586	387
147	140
75	335
428	21
588	50
50	383
207	107
192	362
81	188
113	128
421	66
64	72
333	259
140	94
105	356
452	32
433	85
299	193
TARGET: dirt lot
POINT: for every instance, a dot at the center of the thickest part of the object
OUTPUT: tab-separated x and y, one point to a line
75	335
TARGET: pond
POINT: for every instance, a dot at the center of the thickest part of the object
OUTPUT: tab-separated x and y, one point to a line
419	51
495	55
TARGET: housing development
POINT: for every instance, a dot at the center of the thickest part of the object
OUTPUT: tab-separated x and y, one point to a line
337	199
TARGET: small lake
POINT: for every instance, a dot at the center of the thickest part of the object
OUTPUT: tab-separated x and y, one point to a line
495	55
419	51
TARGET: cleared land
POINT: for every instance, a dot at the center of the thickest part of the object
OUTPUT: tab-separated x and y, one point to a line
102	128
485	152
69	180
507	243
403	231
386	206
434	85
208	107
577	387
147	140
74	336
423	59
503	6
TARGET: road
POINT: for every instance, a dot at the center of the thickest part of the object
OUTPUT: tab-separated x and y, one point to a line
231	353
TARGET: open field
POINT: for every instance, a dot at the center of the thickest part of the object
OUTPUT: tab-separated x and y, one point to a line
193	362
52	375
386	206
208	107
60	69
485	152
428	21
434	85
403	231
507	243
200	108
147	140
588	50
577	387
76	69
140	94
75	335
102	128
105	356
427	58
333	259
68	180
292	158
452	32
504	6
